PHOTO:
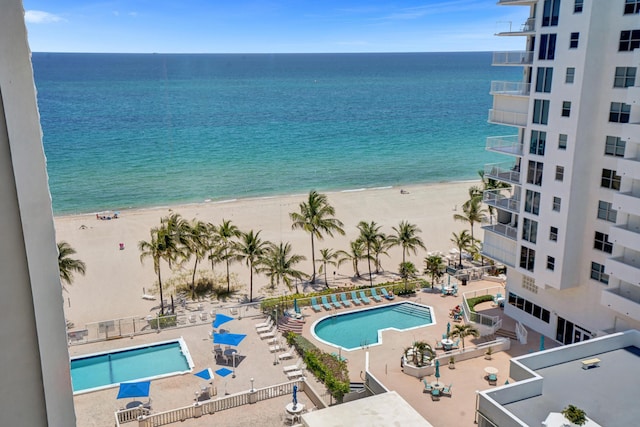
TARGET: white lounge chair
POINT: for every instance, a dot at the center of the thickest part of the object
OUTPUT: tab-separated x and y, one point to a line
203	316
294	374
269	334
295	367
192	318
265	329
264	324
275	348
287	355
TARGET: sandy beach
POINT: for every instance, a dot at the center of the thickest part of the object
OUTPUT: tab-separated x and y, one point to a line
116	279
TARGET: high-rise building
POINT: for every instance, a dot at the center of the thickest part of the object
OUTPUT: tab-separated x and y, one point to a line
568	226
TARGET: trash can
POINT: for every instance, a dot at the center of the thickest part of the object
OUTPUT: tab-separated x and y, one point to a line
121	246
464	280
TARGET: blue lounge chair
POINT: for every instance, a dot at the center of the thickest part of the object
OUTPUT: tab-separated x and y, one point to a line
493	379
334	301
314	304
386	294
375	296
364	298
355	298
345	300
325	303
447	390
427	387
435	394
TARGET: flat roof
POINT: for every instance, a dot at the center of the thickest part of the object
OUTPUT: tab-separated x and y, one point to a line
382	410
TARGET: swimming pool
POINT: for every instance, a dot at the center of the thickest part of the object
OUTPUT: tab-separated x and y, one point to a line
108	369
356	329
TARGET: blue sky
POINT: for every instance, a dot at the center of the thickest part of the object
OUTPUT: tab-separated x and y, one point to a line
270	26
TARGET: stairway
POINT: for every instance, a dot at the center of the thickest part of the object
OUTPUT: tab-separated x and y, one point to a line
289	324
507	334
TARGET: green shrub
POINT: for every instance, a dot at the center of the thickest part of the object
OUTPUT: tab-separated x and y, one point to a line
477	300
166	321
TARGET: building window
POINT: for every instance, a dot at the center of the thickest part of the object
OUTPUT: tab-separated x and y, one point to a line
624	77
562	141
557	201
559	173
530	230
614	146
619	112
529	307
597	273
631	7
543	80
601	243
610	179
527	258
534	173
553	234
532	202
547	46
566	108
541	111
538	141
550	13
629	40
577	6
551	263
606	211
570	75
573	41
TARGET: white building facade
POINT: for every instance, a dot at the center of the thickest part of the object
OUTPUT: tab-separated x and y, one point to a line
568	228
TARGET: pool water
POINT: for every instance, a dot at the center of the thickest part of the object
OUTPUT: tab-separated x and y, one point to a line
362	328
103	370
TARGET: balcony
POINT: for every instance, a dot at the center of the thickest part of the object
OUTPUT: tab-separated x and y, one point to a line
498	200
624	268
499	249
629	168
526	29
508	118
625	235
510	145
510	88
630	132
627	202
624	300
503	230
505	172
512	58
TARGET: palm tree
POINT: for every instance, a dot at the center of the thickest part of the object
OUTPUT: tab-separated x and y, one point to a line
197	244
327	257
379	247
355	254
472	212
251	249
419	353
463	241
316	218
225	234
67	265
407	271
278	264
464	330
369	234
175	229
434	266
157	248
491	184
406	236
215	250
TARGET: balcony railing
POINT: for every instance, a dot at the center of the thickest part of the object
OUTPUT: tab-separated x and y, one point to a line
496	199
510	88
506	172
503	230
512	58
505	145
527	28
509	118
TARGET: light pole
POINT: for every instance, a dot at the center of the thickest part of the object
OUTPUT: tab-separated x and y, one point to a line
252	389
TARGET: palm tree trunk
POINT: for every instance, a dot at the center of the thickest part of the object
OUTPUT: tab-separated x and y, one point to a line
369	263
226	258
313	259
251	282
161	297
326	283
193	279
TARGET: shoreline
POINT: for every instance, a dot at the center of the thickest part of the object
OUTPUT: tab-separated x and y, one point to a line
116	279
263	197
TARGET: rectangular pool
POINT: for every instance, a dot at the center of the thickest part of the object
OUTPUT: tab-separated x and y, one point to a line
108	369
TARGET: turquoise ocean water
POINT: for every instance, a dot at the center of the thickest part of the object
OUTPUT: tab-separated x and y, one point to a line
141	130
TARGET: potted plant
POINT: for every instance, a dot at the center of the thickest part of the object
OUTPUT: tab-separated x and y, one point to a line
452	362
575	415
488	353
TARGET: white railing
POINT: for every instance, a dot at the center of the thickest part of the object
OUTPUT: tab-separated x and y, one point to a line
503	230
509	172
512	58
510	88
510	144
129	415
521	333
511	118
497	199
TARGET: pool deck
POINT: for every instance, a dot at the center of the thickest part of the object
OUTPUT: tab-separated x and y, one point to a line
97	408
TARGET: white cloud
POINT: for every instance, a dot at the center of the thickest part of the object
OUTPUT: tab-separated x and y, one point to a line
133	14
40	17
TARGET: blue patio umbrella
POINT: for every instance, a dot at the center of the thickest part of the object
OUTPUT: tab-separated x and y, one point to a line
135	389
220	320
205	374
448	328
295	395
228	339
437	374
541	342
295	306
223	372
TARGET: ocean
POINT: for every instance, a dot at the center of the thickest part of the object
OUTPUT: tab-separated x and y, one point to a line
142	130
